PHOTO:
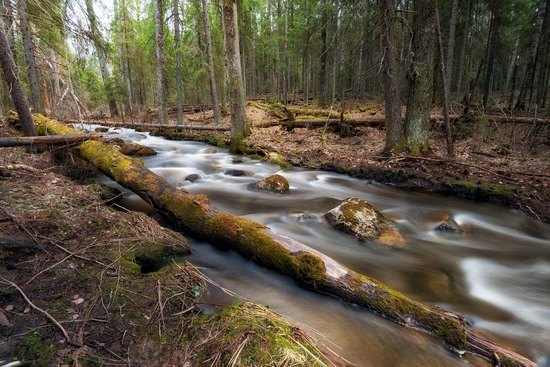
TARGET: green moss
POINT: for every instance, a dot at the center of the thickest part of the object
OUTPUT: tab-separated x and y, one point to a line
481	188
34	352
396	306
160	251
250	335
310	269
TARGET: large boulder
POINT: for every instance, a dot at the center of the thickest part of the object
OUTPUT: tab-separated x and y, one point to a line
359	218
274	183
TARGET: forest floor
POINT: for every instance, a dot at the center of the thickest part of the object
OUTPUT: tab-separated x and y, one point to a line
504	163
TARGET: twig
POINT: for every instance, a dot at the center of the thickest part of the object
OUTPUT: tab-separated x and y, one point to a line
45	313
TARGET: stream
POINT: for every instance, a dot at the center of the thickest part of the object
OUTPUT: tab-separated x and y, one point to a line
496	273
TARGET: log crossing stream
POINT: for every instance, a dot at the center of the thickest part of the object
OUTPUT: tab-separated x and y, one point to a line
496	272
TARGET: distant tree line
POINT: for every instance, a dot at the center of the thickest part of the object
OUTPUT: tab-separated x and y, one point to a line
175	52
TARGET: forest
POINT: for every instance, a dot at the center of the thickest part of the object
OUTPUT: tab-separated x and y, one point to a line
183	182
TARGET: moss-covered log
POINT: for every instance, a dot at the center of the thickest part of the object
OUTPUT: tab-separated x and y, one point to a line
47	140
193	214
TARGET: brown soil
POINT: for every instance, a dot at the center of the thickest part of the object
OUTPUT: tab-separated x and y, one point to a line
504	163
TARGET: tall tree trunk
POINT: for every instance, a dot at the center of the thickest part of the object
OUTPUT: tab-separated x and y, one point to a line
445	86
544	70
28	50
101	57
159	42
239	123
391	77
421	77
177	49
323	93
213	85
462	64
55	76
490	55
451	45
529	76
11	78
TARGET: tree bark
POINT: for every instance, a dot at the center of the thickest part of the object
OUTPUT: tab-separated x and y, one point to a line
11	78
30	59
445	80
420	77
529	76
177	49
159	42
451	46
391	77
308	267
211	71
239	123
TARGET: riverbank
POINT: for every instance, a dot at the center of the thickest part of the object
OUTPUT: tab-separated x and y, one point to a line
76	286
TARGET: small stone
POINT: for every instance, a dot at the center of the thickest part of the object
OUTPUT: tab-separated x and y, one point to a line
27	310
75	316
9	308
78	301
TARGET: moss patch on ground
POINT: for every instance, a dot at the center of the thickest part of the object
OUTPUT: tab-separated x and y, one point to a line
255	336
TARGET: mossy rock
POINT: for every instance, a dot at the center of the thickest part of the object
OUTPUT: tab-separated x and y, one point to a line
359	218
274	183
278	159
134	149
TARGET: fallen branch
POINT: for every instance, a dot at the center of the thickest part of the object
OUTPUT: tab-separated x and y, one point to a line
308	267
44	312
47	140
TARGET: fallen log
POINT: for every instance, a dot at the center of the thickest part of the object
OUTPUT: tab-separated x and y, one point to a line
153	126
379	121
47	140
193	214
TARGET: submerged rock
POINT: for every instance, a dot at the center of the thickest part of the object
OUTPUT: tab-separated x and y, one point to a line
136	150
101	129
448	226
274	183
237	172
193	177
359	218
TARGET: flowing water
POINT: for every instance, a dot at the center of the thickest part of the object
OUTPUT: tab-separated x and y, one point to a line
496	273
